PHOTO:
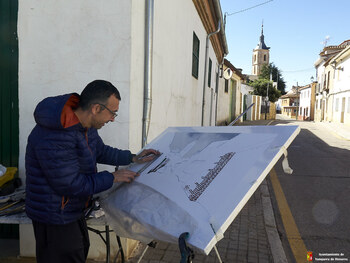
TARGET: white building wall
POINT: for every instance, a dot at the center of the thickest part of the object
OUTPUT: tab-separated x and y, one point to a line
176	94
137	74
305	102
62	49
320	99
237	98
342	92
225	105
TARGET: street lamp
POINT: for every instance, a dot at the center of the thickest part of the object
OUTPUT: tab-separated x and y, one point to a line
267	96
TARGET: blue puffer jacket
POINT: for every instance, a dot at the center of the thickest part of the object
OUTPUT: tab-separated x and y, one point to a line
60	161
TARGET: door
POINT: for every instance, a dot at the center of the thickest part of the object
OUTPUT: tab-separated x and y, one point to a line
8	94
322	110
233	100
8	83
342	110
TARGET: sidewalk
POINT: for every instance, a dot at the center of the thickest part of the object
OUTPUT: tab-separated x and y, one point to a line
338	129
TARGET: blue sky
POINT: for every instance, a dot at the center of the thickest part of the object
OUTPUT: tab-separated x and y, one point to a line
293	29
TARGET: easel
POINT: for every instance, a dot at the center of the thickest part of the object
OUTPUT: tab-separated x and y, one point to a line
108	244
95	206
187	254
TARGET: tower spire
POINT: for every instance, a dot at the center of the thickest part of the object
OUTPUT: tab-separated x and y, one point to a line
262	42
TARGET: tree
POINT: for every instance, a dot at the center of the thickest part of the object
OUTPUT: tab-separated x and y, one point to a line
260	88
267	69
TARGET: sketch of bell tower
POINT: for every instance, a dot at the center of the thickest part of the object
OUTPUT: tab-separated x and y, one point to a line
195	193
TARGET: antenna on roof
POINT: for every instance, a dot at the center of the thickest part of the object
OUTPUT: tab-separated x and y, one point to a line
325	41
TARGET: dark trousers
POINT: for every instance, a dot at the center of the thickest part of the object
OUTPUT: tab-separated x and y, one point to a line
61	243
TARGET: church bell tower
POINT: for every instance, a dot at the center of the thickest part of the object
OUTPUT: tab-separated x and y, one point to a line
261	54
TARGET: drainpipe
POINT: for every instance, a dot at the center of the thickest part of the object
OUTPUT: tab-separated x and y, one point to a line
217	91
147	93
205	67
211	105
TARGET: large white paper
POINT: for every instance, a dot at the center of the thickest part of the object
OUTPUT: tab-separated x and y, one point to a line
205	175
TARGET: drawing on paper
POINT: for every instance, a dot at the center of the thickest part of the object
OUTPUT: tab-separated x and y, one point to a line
196	142
195	193
148	164
162	164
199	168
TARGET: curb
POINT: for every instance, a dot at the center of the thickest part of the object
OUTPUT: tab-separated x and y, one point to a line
270	226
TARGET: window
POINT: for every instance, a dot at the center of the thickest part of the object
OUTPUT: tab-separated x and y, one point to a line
337	104
264	57
209	73
226	86
328	79
217	83
195	56
254	58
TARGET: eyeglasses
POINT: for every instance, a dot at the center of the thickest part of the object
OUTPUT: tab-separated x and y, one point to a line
114	114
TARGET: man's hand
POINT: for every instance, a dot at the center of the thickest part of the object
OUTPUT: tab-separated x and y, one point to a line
124	176
146	155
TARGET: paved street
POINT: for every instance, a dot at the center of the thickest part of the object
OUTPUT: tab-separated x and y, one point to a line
318	191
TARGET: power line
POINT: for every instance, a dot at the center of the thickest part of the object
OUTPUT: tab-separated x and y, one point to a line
248	8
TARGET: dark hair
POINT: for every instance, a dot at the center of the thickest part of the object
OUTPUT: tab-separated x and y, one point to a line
97	91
